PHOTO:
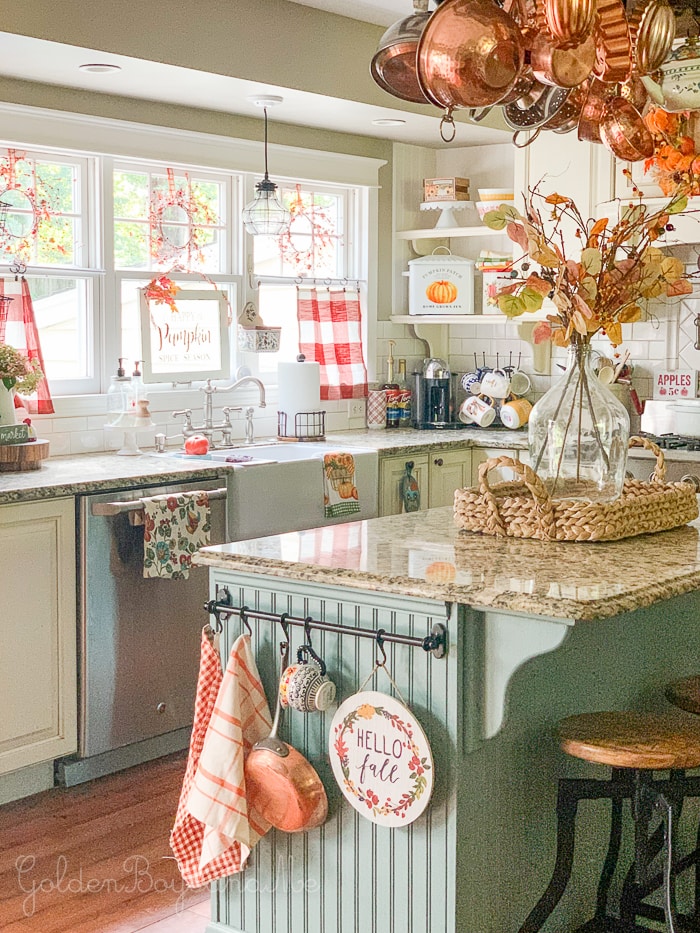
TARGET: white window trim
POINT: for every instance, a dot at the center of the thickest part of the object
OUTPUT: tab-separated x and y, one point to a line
82	134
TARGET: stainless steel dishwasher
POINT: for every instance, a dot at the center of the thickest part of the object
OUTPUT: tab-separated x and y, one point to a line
138	639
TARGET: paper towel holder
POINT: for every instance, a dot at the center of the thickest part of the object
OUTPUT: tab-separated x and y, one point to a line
308	426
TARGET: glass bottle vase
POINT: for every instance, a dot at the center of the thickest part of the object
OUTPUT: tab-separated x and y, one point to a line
578	434
7	405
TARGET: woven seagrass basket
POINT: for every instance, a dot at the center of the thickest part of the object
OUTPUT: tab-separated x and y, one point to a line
524	508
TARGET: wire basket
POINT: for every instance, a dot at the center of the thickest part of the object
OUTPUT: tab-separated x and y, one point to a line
308	425
524	508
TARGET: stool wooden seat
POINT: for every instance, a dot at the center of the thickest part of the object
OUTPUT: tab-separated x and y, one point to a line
632	740
685	694
637	746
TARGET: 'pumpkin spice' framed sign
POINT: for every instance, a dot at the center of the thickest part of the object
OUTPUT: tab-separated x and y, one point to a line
381	758
190	342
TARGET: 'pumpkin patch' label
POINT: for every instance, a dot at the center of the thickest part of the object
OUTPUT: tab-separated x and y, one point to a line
381	759
441	287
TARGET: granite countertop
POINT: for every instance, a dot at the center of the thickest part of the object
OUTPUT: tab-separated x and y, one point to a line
103	472
422	554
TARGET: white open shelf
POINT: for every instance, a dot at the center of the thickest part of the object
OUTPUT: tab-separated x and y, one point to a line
441	233
458	319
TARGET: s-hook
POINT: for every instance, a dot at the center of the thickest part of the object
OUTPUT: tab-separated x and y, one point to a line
380	645
243	613
285	628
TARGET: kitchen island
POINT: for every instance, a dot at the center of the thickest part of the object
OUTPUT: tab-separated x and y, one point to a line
536	631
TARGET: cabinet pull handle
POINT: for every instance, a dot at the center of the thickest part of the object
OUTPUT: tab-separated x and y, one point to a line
438	462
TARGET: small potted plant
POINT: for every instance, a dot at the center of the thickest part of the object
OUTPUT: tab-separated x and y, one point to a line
17	374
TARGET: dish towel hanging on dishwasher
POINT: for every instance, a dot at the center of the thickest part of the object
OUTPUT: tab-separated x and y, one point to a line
340	496
217	798
174	528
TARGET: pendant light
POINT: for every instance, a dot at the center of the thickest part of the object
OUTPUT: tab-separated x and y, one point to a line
265	215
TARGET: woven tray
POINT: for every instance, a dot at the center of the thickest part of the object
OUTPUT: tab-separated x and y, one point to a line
524	509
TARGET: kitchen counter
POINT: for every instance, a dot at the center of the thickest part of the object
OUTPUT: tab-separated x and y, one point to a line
87	473
415	555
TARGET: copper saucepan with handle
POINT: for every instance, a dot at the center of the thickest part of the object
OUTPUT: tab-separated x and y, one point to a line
624	132
281	785
470	54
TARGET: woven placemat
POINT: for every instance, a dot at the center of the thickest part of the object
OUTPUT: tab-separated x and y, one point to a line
524	509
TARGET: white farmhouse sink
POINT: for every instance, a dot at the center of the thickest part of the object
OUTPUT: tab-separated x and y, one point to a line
288	495
285	490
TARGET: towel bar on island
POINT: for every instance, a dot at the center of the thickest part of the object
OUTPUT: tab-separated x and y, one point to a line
134	507
435	642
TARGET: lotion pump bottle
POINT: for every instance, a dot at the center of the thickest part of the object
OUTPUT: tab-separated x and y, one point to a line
119	394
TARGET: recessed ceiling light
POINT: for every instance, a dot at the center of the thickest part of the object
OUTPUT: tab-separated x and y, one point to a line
388	121
99	67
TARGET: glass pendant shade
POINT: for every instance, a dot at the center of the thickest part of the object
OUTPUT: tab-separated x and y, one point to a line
265	215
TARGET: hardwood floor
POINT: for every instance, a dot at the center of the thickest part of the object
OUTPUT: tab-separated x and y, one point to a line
95	858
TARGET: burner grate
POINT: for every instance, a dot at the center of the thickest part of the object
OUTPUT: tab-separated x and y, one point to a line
674	441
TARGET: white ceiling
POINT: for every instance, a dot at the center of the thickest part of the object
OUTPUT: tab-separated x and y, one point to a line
32	59
380	12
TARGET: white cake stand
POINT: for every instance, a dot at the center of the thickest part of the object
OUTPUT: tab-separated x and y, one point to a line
447	210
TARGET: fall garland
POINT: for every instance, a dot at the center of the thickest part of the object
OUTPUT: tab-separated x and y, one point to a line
675	164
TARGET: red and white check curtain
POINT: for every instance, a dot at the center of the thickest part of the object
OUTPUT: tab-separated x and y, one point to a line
330	333
18	328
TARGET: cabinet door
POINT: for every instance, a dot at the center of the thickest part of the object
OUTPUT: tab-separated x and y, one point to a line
38	632
500	474
391	472
448	470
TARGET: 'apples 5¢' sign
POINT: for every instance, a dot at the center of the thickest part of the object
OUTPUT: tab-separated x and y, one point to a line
675	383
381	759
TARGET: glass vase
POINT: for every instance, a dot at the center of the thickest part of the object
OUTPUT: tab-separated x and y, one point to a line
578	433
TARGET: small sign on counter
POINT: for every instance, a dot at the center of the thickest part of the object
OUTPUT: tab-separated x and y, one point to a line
675	383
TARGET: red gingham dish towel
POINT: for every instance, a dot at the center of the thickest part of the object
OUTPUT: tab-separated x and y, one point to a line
187	839
218	795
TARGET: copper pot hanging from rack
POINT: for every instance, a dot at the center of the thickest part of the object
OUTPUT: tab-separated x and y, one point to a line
393	65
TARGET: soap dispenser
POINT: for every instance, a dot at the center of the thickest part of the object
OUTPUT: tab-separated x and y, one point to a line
139	390
120	397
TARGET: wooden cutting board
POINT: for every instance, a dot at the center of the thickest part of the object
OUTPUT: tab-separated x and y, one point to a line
17	457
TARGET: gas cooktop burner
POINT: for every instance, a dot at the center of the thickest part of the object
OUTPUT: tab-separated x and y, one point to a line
674	441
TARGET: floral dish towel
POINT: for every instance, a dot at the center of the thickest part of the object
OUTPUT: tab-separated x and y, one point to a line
175	527
340	496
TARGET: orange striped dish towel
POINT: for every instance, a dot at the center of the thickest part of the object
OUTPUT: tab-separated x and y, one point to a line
217	797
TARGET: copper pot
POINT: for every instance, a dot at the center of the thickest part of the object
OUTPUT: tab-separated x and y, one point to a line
561	67
591	114
281	785
569	22
469	55
393	66
624	132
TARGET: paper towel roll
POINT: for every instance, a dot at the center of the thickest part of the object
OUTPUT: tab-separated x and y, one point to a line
299	390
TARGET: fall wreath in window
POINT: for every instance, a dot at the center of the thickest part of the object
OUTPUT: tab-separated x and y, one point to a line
675	164
24	205
178	217
311	235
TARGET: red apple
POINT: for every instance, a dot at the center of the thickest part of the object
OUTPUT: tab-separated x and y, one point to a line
197	444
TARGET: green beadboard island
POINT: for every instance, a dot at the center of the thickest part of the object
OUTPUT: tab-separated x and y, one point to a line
537	631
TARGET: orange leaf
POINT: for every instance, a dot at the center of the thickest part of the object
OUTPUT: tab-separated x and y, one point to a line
517	234
614	332
679	287
538	284
556	199
541	332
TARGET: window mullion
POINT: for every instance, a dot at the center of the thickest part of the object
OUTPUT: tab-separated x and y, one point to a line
110	318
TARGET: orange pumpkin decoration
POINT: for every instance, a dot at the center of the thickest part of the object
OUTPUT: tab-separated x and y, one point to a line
442	292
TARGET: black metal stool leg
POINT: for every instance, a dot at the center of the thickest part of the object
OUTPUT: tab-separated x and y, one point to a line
619	776
666	806
567	804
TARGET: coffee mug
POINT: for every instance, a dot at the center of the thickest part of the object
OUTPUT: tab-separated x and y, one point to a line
304	686
496	383
477	410
471	381
520	382
515	412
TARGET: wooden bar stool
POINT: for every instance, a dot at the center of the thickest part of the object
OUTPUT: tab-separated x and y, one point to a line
637	746
685	694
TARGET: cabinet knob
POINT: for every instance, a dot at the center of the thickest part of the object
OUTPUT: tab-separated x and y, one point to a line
160	708
438	461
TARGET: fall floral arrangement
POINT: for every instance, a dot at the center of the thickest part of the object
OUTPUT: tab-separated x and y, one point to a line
675	164
17	371
162	290
618	271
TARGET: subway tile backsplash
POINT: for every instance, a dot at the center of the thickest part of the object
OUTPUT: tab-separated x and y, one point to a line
666	339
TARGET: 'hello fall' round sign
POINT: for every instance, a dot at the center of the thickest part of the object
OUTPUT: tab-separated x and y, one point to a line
381	758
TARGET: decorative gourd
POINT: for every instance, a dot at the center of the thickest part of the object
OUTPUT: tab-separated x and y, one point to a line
442	292
345	490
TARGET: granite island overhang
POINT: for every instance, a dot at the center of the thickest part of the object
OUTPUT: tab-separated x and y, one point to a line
536	631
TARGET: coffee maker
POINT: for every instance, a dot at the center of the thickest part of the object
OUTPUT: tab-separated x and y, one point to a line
432	397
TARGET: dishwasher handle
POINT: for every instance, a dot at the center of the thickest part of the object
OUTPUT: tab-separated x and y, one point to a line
107	509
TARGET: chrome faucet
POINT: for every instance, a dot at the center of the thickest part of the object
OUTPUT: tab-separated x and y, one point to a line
208	427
